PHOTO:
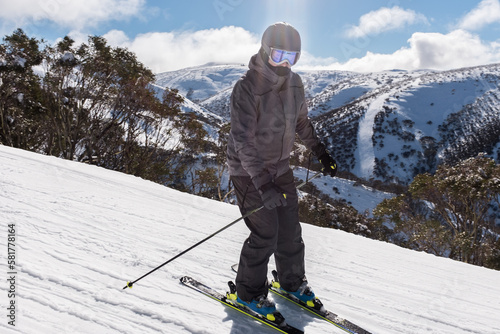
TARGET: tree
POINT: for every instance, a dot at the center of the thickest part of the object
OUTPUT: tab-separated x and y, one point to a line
448	213
66	99
93	103
20	113
104	110
414	225
87	86
221	161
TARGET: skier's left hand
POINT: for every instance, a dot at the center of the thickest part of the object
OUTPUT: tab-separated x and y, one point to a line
329	164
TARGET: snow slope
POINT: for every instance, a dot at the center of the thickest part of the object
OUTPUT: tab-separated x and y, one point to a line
364	199
201	82
82	232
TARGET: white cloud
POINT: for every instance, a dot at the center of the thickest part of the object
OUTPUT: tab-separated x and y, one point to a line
456	49
70	14
166	51
384	19
487	12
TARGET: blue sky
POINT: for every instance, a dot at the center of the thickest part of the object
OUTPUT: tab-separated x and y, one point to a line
357	35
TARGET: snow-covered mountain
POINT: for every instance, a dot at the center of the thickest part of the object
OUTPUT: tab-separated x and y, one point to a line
390	125
78	233
411	122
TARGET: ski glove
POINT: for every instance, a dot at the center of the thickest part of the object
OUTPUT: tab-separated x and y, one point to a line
329	164
272	196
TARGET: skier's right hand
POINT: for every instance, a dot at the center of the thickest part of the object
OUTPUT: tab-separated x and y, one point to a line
272	196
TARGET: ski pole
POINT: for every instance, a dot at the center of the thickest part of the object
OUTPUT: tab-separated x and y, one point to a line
130	284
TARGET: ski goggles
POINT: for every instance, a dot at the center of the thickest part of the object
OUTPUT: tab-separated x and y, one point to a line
279	57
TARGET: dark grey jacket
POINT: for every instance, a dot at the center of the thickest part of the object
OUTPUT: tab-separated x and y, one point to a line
267	111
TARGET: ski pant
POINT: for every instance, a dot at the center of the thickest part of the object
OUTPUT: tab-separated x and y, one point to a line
276	231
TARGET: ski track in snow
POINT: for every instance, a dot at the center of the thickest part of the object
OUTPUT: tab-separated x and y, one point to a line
365	154
83	232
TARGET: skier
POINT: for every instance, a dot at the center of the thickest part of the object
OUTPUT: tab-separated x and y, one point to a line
268	109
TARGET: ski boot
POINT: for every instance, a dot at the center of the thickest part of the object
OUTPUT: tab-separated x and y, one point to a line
303	296
261	306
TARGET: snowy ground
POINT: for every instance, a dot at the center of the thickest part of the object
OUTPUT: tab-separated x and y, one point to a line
362	198
82	232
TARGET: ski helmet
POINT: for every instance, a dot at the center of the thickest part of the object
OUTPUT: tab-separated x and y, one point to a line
282	36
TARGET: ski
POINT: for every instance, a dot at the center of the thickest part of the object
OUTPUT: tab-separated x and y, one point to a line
210	292
318	309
